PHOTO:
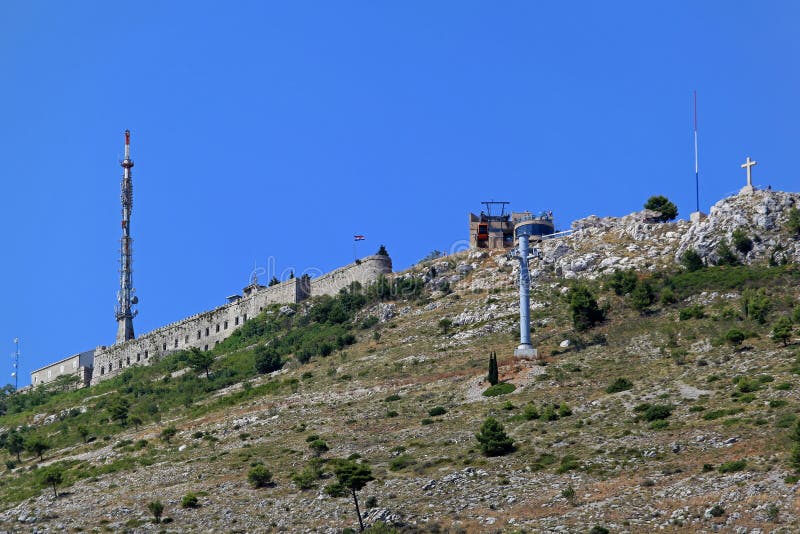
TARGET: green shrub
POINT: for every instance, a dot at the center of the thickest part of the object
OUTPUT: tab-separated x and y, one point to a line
529	412
583	308
643	296
623	282
793	222
716	511
368	322
725	256
493	439
267	360
756	304
311	473
190	501
564	410
445	325
732	466
399	463
156	509
734	336
794	456
543	461
692	312
747	385
502	388
568	463
795	435
597	529
657	412
785	420
668	296
168	433
392	398
620	384
692	261
318	446
549	413
436	411
259	476
741	241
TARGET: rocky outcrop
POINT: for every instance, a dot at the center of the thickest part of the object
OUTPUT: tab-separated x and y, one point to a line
601	245
761	214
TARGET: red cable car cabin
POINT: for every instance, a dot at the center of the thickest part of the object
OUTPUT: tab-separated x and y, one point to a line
483	231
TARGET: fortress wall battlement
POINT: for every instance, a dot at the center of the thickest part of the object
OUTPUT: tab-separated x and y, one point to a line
364	271
203	330
207	329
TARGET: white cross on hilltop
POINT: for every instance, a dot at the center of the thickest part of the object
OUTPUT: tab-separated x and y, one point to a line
748	165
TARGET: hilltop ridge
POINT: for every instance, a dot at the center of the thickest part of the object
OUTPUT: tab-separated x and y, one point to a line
654	418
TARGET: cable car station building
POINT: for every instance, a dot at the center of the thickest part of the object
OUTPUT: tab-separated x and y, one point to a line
496	231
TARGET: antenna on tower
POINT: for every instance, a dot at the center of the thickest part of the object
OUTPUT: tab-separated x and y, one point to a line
696	165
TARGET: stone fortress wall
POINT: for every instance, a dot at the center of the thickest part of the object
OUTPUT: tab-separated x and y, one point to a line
205	330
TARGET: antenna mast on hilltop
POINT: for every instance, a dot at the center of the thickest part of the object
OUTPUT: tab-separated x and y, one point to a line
125	297
696	166
15	365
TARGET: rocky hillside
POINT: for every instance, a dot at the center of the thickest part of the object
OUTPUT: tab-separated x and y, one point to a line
601	245
654	418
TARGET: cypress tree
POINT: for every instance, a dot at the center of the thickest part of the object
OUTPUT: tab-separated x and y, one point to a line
493	373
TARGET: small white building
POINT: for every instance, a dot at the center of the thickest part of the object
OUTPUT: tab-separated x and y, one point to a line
78	365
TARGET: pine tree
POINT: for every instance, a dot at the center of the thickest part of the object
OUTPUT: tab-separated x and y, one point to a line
662	204
643	296
782	331
353	477
583	307
691	260
493	438
51	476
15	443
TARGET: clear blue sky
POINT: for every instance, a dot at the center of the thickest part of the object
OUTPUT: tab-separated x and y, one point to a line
278	130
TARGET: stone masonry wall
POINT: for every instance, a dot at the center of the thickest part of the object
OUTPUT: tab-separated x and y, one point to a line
205	330
365	271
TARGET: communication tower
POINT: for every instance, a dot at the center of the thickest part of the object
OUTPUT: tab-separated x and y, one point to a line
125	296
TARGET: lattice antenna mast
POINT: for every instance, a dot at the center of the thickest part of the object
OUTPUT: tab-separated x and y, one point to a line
125	296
